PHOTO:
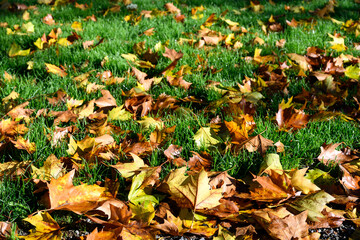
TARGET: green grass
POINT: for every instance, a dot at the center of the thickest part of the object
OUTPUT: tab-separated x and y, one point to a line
301	147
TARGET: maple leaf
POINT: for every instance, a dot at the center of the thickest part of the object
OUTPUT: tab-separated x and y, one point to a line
77	26
15	50
313	203
106	101
205	137
258	143
79	199
301	60
102	235
53	168
128	170
45	227
198	162
172	54
141	202
48	19
148	122
19	112
5	230
23	144
275	187
12	96
329	154
299	181
55	70
271	162
119	113
14	168
171	8
172	225
194	192
290	227
289	118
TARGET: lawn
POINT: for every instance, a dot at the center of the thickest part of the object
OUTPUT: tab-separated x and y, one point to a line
222	119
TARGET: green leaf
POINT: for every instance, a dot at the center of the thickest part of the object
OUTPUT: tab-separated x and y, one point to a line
314	203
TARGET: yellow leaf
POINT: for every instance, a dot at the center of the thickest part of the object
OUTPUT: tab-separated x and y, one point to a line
148	122
39	43
119	113
28	27
26	16
352	72
53	168
301	183
64	42
271	162
194	192
15	50
45	227
128	170
55	70
13	95
30	65
23	144
130	57
72	146
73	103
204	137
77	26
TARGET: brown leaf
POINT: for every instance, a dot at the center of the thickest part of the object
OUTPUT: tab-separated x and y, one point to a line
225	182
258	143
149	32
329	154
288	228
106	101
275	187
5	230
60	96
291	118
139	104
63	116
173	151
171	8
200	161
9	128
19	112
172	54
350	183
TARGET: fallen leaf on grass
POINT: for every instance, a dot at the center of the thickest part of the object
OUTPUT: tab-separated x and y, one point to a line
205	137
15	50
329	154
313	203
194	192
55	70
45	227
79	199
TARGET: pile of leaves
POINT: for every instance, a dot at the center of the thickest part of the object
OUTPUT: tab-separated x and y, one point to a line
183	196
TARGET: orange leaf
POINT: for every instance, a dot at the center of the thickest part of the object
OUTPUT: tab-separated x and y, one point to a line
79	199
